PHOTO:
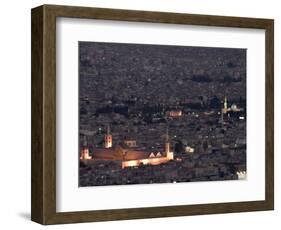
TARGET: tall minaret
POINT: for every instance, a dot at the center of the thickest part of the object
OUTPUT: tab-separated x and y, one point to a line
85	154
225	104
223	110
108	138
169	154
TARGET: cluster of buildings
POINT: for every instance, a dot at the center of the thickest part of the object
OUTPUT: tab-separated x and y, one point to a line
127	153
227	110
208	151
140	90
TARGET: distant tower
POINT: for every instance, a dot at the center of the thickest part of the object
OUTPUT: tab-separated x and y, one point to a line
225	105
85	154
169	154
108	138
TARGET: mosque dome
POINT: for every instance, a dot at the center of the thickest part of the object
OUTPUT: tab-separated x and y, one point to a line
233	107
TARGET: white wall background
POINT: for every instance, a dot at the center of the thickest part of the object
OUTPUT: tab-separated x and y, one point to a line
15	113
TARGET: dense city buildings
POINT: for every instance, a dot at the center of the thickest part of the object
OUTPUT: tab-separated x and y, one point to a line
158	114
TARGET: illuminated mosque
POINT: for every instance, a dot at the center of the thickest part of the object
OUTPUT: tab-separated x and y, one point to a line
127	153
227	109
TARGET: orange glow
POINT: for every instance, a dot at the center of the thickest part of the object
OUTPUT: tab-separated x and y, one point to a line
85	155
130	143
175	113
132	163
149	161
108	141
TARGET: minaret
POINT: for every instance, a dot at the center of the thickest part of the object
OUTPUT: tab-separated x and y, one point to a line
225	105
169	154
223	110
108	138
85	154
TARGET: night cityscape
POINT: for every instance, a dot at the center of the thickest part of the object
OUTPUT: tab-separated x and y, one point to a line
161	114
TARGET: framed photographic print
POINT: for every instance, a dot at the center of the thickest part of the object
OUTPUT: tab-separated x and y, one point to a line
140	114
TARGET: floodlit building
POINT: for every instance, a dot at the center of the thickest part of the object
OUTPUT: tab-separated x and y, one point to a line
242	175
85	154
189	149
108	139
130	142
128	153
225	108
230	110
174	113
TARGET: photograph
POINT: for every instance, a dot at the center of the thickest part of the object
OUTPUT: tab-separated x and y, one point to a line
130	104
152	113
